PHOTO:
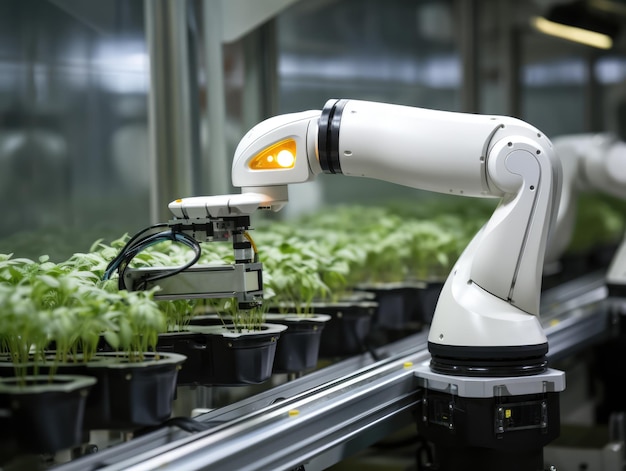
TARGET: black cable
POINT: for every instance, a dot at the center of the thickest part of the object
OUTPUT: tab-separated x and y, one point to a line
136	245
188	424
113	264
371	350
363	344
153	239
126	257
424	458
189	242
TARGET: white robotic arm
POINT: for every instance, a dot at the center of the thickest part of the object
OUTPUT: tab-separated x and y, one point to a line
486	320
591	162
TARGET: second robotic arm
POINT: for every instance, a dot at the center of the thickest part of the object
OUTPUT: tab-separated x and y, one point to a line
594	162
591	162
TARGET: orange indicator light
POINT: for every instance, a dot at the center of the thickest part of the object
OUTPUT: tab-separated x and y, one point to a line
277	156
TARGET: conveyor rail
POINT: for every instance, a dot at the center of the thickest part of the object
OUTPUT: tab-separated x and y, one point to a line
576	315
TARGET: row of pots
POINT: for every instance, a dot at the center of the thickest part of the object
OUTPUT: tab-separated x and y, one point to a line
45	413
110	392
125	395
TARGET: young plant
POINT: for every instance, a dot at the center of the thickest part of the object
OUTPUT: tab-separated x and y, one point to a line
39	303
138	322
295	275
232	317
19	327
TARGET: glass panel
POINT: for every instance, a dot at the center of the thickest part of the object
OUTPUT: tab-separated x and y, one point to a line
73	124
399	51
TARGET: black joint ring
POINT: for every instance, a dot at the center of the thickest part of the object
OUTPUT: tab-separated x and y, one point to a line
328	135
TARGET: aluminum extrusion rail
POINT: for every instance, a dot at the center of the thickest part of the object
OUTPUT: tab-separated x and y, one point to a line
576	315
313	429
300	431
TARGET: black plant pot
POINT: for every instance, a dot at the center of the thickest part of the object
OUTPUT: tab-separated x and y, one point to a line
298	348
398	304
47	414
193	345
404	305
347	331
127	394
429	297
232	358
132	394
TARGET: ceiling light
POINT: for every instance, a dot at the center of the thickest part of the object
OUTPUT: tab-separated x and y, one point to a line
578	22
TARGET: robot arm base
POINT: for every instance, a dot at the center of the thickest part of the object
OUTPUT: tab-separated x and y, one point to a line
519	360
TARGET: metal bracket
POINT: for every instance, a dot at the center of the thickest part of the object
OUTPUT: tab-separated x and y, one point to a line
243	281
211	229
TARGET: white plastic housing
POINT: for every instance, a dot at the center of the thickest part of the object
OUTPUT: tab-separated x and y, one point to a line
471	155
491	298
199	207
426	149
264	135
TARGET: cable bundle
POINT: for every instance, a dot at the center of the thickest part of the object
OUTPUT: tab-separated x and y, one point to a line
141	241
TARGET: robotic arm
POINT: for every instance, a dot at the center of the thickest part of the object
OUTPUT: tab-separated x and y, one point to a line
487	392
486	321
591	162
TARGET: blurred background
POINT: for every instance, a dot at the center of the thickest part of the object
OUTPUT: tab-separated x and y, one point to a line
111	109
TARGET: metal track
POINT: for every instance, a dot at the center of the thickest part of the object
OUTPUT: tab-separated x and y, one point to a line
577	315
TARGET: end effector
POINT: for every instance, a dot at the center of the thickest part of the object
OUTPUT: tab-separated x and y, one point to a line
218	219
226	217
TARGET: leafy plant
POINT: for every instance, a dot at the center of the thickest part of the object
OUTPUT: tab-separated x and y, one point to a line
54	313
231	316
139	321
19	330
295	273
599	221
318	257
347	245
